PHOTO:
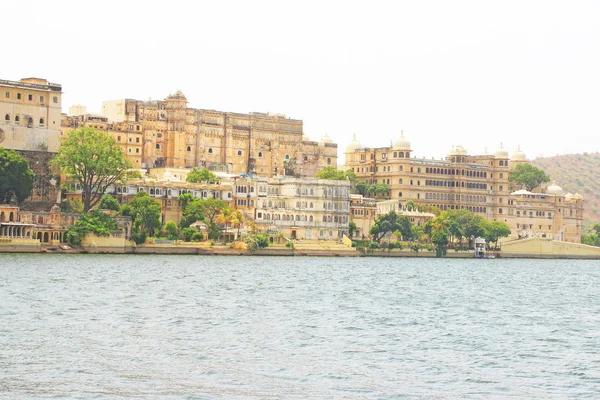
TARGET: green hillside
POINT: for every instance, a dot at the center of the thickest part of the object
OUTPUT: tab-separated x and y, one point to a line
577	173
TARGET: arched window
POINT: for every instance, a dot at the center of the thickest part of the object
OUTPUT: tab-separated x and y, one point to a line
401	155
157	146
395	154
210	151
17	119
260	154
189	148
7	117
239	153
30	121
41	121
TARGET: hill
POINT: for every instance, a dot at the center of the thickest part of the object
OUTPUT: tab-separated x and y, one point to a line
577	173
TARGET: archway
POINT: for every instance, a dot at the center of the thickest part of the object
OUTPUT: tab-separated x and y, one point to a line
45	237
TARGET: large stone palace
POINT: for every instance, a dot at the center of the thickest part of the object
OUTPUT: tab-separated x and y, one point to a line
478	183
167	133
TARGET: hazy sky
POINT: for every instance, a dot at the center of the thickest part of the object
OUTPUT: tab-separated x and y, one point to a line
474	73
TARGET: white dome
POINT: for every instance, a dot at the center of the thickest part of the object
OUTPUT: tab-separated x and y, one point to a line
578	196
353	145
501	153
326	139
554	189
518	155
305	138
457	151
401	143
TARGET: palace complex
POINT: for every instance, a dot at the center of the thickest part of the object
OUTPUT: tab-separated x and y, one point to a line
267	167
167	133
478	183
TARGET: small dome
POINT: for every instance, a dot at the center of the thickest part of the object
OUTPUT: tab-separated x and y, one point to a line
568	195
518	155
305	138
457	151
578	196
55	209
401	143
353	145
554	189
326	139
501	153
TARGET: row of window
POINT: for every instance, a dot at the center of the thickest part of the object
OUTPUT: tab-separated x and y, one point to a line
304	204
384	156
30	97
468	185
341	219
28	120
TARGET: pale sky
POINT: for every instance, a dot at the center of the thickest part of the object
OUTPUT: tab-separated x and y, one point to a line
474	73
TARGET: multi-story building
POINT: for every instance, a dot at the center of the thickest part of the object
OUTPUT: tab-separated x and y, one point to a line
552	214
30	114
127	134
255	143
478	183
303	208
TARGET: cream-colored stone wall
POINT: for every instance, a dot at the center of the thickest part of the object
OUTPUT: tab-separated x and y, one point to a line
30	114
538	247
181	137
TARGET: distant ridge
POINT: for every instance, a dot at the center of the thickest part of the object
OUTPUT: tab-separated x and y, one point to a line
577	173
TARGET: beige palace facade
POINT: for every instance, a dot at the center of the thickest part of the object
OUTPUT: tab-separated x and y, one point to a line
478	183
176	136
30	114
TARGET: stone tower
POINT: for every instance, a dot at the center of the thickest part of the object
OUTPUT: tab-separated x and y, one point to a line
175	140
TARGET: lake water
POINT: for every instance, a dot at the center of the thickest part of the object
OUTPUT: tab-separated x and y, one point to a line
206	327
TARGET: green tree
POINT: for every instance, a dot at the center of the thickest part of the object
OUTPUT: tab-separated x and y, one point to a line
362	187
192	211
496	230
107	202
528	176
171	230
351	229
96	222
93	160
391	222
333	174
16	178
145	212
440	240
188	233
201	175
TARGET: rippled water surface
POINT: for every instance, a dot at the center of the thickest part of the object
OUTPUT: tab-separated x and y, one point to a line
160	327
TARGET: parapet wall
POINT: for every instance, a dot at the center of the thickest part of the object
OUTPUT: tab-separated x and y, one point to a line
547	248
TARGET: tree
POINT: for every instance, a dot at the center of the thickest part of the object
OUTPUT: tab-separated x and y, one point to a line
351	229
362	187
93	160
238	219
391	222
201	175
96	222
171	230
107	202
145	212
203	210
440	239
528	176
333	174
192	211
16	178
495	230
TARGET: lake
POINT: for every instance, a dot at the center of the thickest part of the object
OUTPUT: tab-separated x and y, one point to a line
208	327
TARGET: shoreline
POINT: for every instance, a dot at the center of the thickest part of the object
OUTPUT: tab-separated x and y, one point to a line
271	252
